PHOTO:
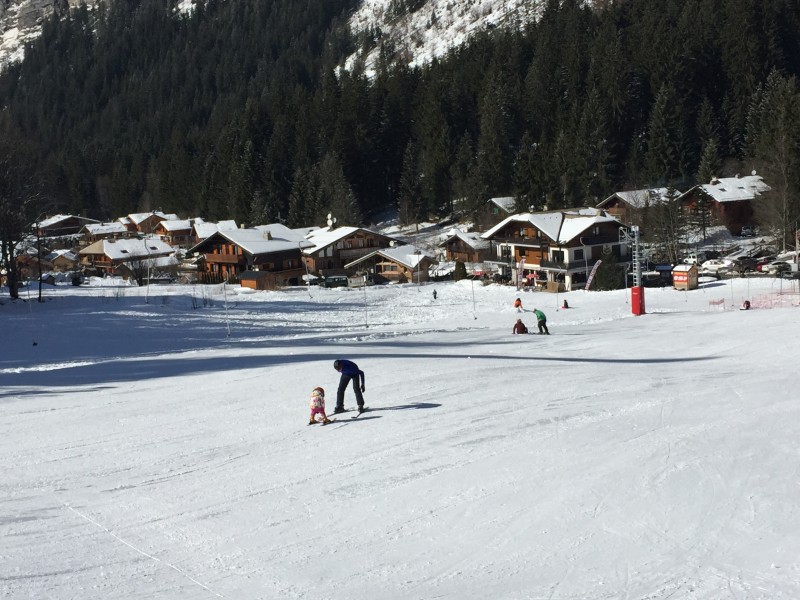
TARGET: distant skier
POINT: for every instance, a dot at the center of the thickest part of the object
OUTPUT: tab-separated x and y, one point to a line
349	370
518	305
541	321
318	406
434	294
519	327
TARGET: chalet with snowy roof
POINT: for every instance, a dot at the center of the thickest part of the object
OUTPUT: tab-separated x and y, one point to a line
146	222
729	199
93	232
61	260
495	210
400	264
202	229
176	232
59	225
332	248
629	207
120	256
271	249
556	249
466	247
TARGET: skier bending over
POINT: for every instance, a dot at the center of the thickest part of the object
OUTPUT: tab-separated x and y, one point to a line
518	305
318	406
349	370
541	321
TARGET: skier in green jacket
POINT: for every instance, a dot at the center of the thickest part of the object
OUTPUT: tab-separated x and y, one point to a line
541	321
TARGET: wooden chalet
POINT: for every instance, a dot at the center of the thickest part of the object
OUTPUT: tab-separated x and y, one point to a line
203	229
272	249
59	225
331	249
62	260
146	222
630	207
556	249
495	210
400	264
176	232
120	256
466	247
94	232
729	200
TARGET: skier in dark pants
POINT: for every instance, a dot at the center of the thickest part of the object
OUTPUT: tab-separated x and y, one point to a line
541	321
349	370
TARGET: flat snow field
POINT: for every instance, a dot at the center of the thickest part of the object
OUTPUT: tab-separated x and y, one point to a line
154	444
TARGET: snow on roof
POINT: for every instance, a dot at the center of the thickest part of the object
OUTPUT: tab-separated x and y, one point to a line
507	203
282	232
641	198
323	237
473	239
203	230
559	226
406	254
264	239
50	221
67	254
140	217
129	248
734	189
105	228
683	268
176	224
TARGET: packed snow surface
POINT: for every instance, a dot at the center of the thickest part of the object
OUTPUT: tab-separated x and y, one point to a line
154	444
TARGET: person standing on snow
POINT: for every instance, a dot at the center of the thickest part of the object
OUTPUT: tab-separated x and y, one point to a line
349	370
318	406
541	321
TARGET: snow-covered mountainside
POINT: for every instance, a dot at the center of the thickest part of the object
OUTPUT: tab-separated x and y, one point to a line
419	31
21	21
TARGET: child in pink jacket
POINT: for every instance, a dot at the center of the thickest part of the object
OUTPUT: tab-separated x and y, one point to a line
318	406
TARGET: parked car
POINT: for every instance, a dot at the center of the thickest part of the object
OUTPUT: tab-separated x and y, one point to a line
335	281
748	231
716	265
776	267
743	264
764	260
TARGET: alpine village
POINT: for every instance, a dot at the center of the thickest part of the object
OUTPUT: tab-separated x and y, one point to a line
286	143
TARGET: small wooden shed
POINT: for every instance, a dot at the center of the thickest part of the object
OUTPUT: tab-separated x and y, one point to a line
685	277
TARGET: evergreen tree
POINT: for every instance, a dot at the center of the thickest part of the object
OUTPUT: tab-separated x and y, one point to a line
773	136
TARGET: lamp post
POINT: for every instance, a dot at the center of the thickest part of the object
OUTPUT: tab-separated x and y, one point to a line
418	252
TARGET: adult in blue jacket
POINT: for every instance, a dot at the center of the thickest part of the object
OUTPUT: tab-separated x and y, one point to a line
349	371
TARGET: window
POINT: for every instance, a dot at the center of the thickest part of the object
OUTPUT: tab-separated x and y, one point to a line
579	254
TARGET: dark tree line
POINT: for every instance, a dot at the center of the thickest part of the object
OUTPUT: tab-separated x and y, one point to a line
241	110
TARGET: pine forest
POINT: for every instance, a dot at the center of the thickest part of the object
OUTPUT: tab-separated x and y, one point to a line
242	110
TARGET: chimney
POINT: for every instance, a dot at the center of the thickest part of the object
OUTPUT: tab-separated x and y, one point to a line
267	235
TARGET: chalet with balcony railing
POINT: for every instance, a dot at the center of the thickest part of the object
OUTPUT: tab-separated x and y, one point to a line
728	200
332	248
121	256
555	249
94	232
399	264
631	206
467	247
272	250
145	222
